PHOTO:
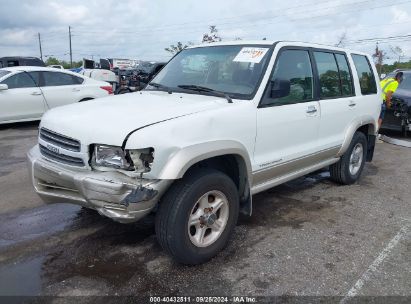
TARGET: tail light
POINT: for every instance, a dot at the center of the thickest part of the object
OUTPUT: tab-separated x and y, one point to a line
109	89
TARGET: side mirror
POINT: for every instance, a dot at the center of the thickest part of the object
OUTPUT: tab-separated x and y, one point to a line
280	88
3	87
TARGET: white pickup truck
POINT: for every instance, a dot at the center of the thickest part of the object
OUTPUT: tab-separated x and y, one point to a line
219	123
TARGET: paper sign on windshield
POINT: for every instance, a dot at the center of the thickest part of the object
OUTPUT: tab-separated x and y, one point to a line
250	54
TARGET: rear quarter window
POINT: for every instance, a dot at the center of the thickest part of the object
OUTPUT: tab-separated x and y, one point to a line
365	74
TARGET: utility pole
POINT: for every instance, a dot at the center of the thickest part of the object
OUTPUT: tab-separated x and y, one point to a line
71	52
41	53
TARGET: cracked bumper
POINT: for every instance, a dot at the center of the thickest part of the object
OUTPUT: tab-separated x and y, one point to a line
102	191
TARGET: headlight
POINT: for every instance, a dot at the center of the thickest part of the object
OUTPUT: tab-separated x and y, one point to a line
109	156
138	160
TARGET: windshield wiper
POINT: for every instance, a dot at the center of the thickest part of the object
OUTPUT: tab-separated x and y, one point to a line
161	86
197	88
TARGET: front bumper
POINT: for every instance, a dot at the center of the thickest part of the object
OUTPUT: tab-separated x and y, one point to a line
112	193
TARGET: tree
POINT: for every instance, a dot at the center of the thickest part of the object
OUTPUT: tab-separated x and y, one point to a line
212	36
174	49
52	61
379	57
342	40
397	51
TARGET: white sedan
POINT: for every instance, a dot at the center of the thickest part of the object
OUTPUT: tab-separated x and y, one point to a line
26	92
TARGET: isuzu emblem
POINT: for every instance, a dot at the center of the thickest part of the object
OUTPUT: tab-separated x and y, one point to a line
53	149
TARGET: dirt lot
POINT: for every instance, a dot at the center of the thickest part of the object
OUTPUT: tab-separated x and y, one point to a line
308	237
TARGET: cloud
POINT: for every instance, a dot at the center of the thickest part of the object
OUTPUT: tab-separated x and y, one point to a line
141	29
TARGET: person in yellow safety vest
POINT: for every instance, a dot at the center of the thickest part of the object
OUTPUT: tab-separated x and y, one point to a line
388	86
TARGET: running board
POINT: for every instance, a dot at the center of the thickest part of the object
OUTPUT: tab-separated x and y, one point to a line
285	178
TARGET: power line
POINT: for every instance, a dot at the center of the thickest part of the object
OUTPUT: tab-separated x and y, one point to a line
151	29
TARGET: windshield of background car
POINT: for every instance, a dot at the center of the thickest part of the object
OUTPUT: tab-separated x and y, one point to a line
145	67
3	73
406	80
233	69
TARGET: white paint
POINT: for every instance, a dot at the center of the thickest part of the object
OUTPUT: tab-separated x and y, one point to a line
373	267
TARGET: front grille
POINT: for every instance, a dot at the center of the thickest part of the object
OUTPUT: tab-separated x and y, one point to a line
65	159
60	140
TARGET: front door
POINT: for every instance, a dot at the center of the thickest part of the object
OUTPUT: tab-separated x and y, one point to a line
23	100
288	126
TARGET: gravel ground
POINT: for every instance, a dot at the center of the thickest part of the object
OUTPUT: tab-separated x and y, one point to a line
309	237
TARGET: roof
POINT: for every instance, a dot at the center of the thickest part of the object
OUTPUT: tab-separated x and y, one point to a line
37	68
29	68
19	57
272	42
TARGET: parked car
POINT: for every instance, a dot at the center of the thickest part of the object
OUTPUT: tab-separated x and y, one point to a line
99	71
136	78
218	124
147	70
27	92
397	118
20	61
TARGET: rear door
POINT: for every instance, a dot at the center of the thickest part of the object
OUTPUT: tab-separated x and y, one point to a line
287	127
337	98
61	88
23	100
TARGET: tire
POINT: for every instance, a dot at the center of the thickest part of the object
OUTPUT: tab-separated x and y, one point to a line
182	202
341	172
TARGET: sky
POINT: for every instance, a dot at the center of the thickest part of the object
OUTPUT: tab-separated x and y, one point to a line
141	29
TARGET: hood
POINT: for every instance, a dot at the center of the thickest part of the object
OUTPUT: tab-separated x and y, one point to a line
403	94
109	120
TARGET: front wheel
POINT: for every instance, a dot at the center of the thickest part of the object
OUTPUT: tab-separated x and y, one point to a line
197	216
348	169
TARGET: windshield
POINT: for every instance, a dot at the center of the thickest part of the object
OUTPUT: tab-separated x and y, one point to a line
3	73
406	82
235	70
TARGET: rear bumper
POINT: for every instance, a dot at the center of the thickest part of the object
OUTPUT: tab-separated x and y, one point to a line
112	194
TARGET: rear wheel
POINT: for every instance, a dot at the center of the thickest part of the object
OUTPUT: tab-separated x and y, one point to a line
349	168
197	216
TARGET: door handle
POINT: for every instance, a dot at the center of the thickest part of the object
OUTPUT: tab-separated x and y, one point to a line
76	90
311	110
352	104
36	93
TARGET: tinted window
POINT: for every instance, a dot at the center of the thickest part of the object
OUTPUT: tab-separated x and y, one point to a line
345	76
294	66
328	73
60	79
21	80
36	77
12	63
1	64
365	75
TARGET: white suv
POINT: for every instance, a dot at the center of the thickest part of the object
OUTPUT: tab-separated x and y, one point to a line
219	123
